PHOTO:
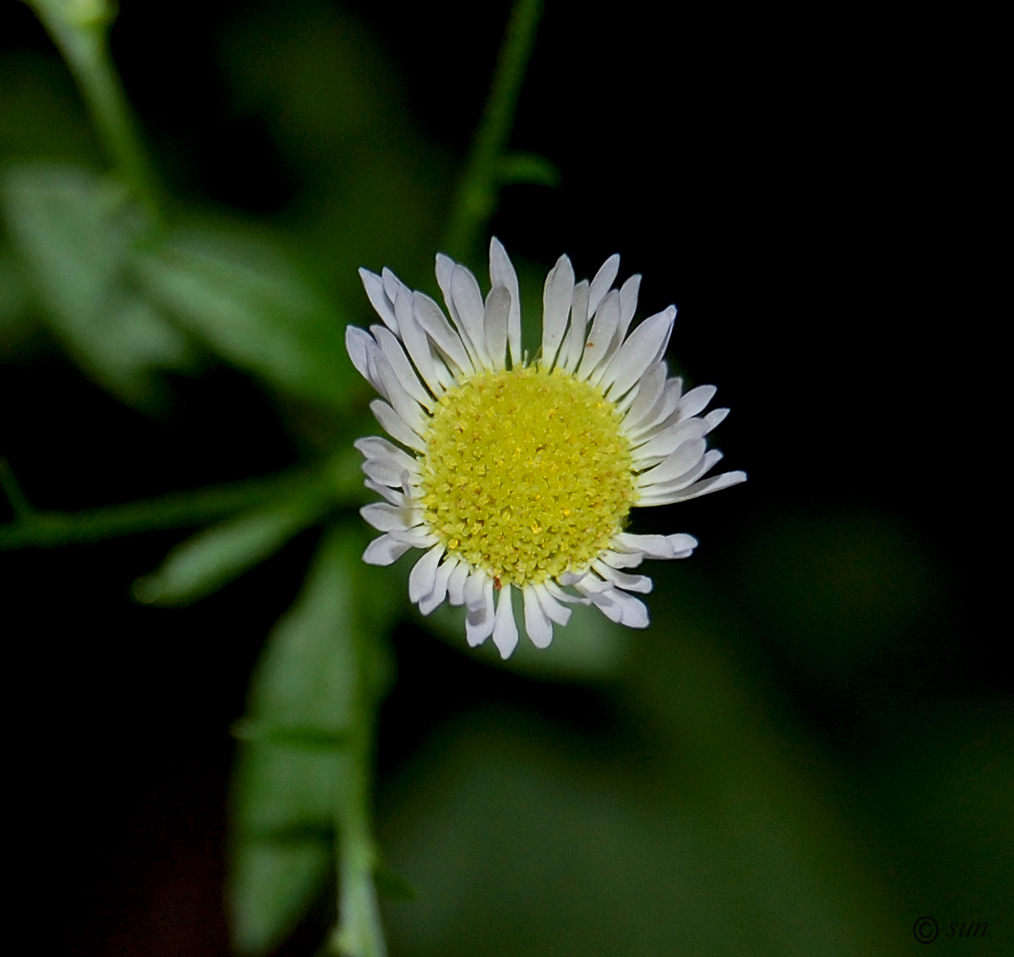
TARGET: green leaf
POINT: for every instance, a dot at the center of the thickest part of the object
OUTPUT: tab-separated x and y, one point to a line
247	302
527	168
217	555
285	795
74	232
273	884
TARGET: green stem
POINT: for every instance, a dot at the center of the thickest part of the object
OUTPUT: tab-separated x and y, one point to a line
46	529
359	933
477	192
80	30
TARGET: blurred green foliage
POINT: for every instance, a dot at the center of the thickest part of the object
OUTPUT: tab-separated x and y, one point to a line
778	766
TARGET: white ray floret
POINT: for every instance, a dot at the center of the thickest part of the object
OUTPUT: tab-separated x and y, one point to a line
520	476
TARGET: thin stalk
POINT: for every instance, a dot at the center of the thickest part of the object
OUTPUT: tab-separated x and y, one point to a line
80	30
479	185
46	529
359	933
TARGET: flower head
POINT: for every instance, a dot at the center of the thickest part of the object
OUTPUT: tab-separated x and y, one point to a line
520	476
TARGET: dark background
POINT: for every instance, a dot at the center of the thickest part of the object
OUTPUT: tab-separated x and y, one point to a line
808	188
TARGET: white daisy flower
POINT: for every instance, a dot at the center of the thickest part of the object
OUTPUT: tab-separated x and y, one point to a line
520	476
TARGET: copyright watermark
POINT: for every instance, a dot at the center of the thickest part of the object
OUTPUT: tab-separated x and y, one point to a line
926	929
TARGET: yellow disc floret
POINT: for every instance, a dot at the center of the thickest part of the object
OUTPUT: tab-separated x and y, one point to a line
526	473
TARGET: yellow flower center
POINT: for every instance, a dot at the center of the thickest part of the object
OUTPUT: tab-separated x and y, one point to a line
526	473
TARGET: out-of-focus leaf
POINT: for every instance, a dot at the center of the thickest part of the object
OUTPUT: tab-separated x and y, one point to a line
528	168
248	303
217	555
75	231
273	884
285	796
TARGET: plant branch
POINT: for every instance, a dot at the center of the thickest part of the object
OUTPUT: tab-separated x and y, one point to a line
46	529
80	30
481	181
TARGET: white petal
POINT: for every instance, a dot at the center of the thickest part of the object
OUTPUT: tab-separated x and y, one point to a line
414	338
467	299
382	488
432	319
360	346
419	536
383	306
620	559
603	331
444	268
696	400
495	320
649	391
621	608
636	354
573	345
708	461
633	611
439	593
474	585
395	355
392	286
410	411
669	311
663	409
585	581
384	472
505	628
679	462
638	583
375	448
456	584
388	518
395	426
423	575
705	487
715	418
665	441
446	378
677	545
481	614
560	595
628	302
555	610
602	283
537	623
445	279
557	296
501	272
384	551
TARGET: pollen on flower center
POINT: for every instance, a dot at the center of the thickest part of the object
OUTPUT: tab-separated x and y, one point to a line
526	473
